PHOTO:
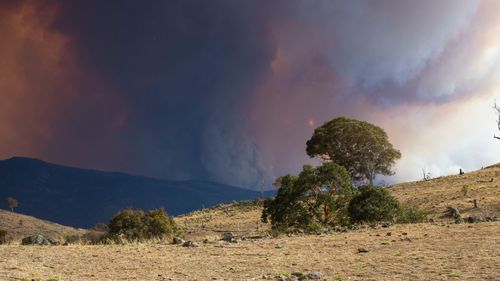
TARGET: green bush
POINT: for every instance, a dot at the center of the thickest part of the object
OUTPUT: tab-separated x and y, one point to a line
136	225
316	198
373	204
411	214
72	238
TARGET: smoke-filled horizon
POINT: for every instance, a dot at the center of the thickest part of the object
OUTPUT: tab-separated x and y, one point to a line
230	91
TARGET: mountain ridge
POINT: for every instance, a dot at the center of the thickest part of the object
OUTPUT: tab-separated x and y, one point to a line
82	197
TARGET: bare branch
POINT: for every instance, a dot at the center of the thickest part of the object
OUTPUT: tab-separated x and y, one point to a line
497	109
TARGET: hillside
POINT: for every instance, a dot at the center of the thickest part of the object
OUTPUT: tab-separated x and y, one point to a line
20	226
437	194
82	198
434	195
441	250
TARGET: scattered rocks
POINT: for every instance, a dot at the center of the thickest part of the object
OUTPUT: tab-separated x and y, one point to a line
178	241
299	276
38	240
314	276
190	244
229	237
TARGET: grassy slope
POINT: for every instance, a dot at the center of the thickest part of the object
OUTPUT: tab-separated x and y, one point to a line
438	251
20	226
434	195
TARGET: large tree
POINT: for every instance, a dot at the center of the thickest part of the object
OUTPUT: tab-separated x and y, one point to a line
362	148
317	196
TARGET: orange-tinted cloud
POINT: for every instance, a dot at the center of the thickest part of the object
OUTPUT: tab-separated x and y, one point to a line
49	107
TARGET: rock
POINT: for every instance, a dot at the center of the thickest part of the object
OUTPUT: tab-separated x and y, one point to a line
298	274
36	240
362	250
178	241
314	275
453	212
279	246
406	238
474	219
228	237
190	244
388	234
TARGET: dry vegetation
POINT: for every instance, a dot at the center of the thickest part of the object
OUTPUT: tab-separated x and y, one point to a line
431	251
439	193
20	226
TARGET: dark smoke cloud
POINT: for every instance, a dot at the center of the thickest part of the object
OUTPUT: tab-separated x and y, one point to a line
230	90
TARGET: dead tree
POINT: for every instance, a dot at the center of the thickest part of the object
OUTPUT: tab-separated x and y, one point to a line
497	109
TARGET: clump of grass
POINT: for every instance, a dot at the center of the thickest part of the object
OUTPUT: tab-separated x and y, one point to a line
411	214
465	190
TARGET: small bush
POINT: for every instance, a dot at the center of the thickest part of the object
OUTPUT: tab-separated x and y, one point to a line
93	237
135	225
3	236
465	190
72	238
373	204
411	214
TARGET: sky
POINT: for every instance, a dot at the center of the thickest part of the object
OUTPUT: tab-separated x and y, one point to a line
230	91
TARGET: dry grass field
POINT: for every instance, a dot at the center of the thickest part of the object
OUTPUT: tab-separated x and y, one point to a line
430	251
20	226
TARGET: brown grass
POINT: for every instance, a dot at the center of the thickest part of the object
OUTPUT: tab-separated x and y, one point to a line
434	251
20	226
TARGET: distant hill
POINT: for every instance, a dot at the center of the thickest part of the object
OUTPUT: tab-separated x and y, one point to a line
20	226
81	197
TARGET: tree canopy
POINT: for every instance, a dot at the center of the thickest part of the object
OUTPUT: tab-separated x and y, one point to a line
318	195
11	203
362	148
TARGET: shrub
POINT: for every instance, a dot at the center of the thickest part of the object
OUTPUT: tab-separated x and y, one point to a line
93	237
373	204
316	198
101	227
411	214
465	190
72	238
135	225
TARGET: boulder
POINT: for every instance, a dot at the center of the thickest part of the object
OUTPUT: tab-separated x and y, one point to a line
229	237
190	244
178	241
37	240
453	212
362	250
314	275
